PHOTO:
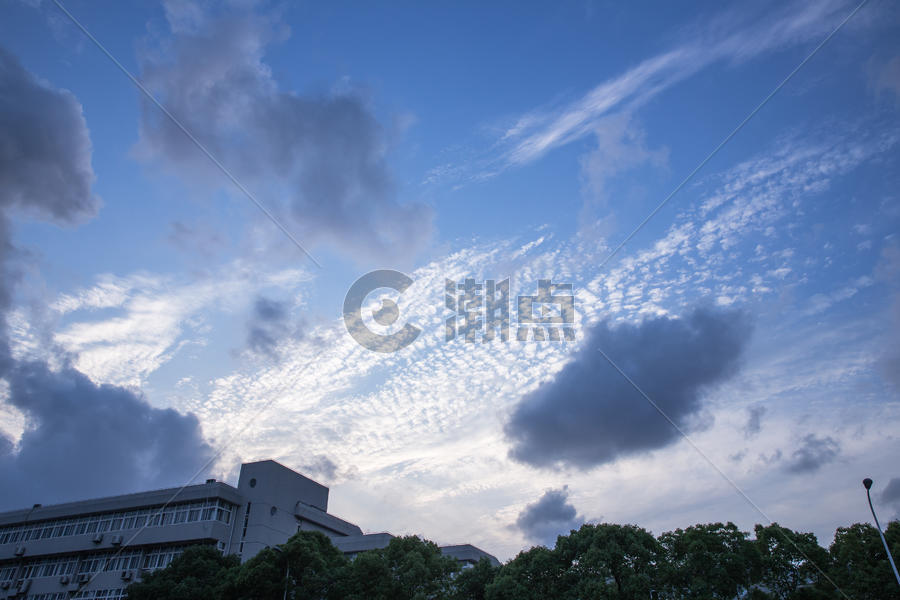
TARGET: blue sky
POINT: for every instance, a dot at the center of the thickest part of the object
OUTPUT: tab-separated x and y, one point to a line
461	140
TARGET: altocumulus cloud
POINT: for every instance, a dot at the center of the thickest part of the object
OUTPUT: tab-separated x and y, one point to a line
589	414
327	152
80	438
550	516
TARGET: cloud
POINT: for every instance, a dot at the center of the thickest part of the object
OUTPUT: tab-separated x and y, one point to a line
79	439
550	516
589	415
150	318
325	152
727	38
813	453
192	240
45	148
890	360
885	79
754	420
891	495
45	158
269	325
621	146
887	270
321	466
84	440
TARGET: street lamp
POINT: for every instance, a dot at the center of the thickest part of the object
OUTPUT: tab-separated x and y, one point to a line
867	483
287	569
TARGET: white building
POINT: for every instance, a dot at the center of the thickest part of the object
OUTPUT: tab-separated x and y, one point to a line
96	548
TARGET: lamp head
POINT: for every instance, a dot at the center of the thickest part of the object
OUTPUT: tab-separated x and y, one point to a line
867	483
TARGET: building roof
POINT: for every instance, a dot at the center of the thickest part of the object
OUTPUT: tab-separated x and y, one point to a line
211	489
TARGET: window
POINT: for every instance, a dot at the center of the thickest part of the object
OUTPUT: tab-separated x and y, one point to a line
7	572
199	510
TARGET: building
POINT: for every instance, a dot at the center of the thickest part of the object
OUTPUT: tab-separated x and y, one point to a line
96	548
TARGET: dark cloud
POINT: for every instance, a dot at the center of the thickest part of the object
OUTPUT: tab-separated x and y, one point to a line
45	148
549	517
195	240
813	453
589	414
771	459
891	496
80	439
321	466
86	440
45	159
270	323
754	420
891	493
326	152
890	360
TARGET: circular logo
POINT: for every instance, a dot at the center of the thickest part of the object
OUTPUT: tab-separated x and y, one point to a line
386	315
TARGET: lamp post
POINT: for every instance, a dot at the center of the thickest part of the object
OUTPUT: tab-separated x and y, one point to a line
287	569
867	483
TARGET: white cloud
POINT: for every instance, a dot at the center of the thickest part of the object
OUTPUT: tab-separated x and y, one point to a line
733	37
422	429
152	318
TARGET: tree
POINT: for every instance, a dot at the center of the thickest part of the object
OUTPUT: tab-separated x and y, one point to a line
709	561
790	561
308	565
471	583
407	569
859	564
532	575
610	561
198	573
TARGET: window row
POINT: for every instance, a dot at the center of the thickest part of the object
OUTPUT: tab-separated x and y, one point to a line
213	509
110	561
115	594
131	560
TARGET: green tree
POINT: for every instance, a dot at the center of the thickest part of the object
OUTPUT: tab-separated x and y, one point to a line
198	573
407	569
790	562
308	565
471	583
532	575
712	561
859	564
609	561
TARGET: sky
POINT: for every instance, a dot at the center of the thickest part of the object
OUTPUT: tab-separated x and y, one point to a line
176	260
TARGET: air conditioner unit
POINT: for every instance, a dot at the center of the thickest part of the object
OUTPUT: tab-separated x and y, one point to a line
4	585
64	579
20	550
98	538
127	575
116	540
84	578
